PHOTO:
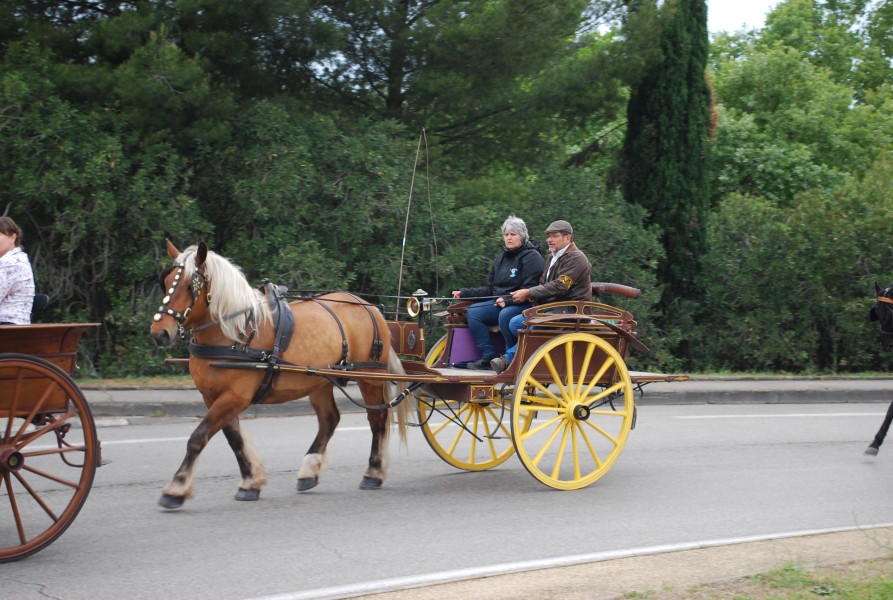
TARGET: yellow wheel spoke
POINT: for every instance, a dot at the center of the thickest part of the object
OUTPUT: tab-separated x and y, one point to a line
463	429
592	452
500	425
480	420
450	420
606	392
541	407
545	390
548	423
584	368
569	360
576	452
602	432
610	413
528	400
556	379
539	456
556	470
609	362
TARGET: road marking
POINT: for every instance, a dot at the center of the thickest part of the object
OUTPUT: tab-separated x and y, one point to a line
770	416
144	441
417	581
186	438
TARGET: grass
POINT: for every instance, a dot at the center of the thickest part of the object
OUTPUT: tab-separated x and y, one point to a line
161	382
861	580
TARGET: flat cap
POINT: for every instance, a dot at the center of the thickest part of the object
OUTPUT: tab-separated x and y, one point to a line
560	227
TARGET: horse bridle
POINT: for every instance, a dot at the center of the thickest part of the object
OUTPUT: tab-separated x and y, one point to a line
199	280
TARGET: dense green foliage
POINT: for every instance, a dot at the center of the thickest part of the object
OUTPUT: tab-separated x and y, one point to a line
300	137
666	152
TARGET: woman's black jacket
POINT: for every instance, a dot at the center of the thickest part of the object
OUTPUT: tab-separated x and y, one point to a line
512	270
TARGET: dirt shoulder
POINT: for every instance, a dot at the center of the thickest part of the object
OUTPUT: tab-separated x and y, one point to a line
669	576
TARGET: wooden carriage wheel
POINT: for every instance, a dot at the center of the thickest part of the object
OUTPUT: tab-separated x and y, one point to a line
48	454
584	423
467	435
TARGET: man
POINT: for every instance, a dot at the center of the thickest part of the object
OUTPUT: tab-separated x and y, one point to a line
566	277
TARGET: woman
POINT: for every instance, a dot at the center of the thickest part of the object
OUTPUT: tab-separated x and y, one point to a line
16	277
518	266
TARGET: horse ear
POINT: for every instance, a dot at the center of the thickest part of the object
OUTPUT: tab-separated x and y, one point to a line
202	255
172	250
878	288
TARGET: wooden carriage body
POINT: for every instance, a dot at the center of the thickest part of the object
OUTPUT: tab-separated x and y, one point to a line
49	450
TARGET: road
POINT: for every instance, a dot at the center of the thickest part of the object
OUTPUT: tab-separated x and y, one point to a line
690	475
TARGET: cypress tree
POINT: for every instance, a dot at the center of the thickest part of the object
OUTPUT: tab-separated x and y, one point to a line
666	151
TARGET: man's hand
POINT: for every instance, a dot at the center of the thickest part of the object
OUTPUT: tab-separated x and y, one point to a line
521	295
500	302
456	293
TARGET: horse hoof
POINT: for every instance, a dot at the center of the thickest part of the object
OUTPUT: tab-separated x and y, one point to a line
247	495
370	484
171	502
870	451
307	483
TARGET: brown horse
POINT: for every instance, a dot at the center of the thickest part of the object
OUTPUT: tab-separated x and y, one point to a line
234	321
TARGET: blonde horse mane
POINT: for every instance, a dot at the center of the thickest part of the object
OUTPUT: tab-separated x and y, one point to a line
230	293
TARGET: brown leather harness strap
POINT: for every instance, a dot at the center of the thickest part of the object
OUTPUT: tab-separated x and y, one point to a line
284	326
377	343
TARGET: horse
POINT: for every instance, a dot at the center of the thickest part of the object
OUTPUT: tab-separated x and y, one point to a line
208	297
882	311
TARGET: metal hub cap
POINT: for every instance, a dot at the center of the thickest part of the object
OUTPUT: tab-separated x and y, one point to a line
580	412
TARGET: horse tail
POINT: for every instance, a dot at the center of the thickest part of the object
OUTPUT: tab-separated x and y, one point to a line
392	389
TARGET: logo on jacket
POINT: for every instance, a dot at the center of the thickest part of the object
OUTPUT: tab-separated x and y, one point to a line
566	281
513	272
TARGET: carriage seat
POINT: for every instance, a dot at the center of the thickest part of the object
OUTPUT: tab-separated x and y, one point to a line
40	303
578	315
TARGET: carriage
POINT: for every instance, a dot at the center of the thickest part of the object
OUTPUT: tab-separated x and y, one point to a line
565	405
49	449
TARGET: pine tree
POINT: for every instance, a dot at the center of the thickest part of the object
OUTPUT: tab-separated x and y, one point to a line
666	151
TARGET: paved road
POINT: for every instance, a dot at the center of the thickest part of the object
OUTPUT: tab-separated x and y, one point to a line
692	476
116	402
608	576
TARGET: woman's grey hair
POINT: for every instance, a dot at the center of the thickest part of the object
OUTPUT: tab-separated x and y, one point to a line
516	225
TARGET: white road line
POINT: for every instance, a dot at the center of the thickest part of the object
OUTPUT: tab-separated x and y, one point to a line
185	438
143	441
768	416
417	581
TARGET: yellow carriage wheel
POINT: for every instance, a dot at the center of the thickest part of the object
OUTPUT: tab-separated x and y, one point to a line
583	423
467	435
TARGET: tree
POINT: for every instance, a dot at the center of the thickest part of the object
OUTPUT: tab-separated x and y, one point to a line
665	162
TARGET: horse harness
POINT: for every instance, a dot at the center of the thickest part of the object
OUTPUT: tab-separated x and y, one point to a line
284	323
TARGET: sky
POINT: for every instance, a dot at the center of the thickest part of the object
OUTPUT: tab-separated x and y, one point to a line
732	15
